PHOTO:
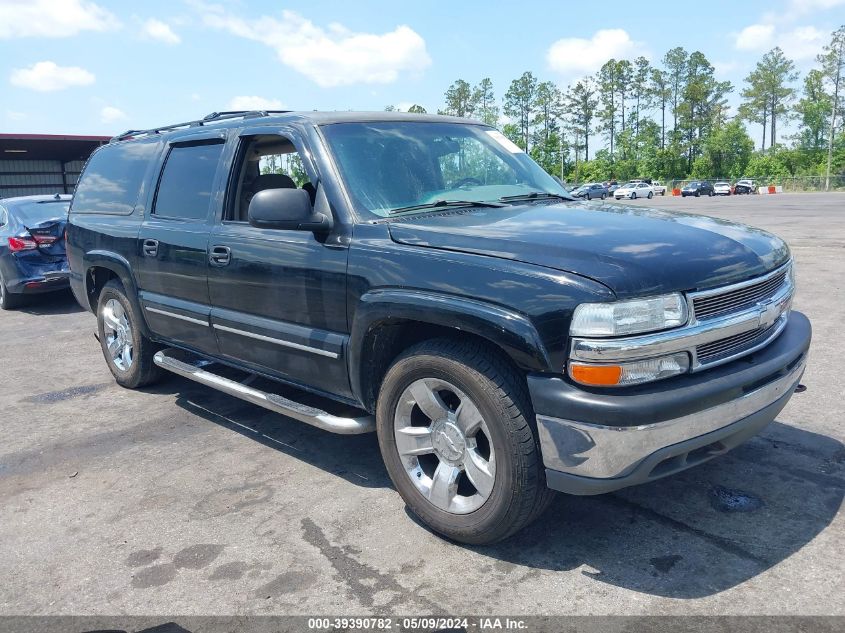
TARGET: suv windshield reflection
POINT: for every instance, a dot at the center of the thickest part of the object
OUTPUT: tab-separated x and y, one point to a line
393	165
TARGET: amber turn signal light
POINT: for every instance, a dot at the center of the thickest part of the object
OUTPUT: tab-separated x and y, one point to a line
603	375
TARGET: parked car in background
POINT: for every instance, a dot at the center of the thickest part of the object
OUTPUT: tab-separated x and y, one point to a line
32	247
745	186
612	187
658	188
634	190
722	188
698	188
590	191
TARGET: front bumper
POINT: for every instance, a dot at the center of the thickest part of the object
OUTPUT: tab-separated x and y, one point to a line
595	441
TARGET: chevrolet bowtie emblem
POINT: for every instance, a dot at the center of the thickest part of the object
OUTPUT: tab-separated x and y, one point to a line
770	312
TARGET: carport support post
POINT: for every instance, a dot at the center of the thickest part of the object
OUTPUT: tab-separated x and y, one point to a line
64	177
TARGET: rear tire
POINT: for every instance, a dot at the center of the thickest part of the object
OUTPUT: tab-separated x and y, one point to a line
467	461
604	196
128	353
8	300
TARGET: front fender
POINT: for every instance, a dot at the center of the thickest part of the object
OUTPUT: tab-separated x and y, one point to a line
509	330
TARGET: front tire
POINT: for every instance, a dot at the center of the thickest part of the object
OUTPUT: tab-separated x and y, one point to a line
650	195
128	353
634	196
455	427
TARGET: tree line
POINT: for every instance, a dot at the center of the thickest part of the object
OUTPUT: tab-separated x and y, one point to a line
671	119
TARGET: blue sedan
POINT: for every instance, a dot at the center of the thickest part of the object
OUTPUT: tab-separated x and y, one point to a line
32	247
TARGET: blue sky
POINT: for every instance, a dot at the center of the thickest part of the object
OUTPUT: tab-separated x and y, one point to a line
98	67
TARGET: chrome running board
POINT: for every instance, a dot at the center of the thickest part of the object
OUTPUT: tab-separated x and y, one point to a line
181	363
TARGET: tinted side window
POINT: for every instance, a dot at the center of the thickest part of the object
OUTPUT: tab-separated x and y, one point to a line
184	190
113	177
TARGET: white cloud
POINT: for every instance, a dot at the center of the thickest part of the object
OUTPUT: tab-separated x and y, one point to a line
804	42
14	115
52	18
49	77
801	7
577	55
110	114
799	43
777	28
725	70
755	37
157	30
334	56
254	103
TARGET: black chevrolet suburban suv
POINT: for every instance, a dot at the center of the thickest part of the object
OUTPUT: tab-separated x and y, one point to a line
421	277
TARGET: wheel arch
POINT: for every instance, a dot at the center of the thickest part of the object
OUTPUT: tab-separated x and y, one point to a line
389	321
100	268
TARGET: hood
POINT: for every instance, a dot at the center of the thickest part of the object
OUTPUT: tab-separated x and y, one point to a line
634	251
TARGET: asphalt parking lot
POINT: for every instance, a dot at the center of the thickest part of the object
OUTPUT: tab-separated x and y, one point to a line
180	500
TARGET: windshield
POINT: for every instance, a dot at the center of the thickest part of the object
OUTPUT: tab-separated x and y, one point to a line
31	213
397	164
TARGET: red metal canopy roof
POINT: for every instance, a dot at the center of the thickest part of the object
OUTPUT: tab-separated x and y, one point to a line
63	147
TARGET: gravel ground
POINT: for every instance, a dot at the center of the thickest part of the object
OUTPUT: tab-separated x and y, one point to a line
180	500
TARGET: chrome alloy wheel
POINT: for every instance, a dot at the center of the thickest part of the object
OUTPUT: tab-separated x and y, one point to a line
445	445
118	334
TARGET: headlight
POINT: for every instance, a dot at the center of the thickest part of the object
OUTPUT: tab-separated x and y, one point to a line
630	373
629	317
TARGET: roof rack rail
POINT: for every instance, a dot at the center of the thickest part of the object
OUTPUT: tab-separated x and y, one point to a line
214	117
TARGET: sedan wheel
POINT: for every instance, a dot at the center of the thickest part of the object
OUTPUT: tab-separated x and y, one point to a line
650	195
8	300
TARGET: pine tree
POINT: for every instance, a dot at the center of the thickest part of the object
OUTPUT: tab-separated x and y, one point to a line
832	60
485	102
521	103
459	100
606	79
580	107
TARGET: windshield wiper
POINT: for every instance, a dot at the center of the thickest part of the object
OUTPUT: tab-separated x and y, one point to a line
442	204
534	195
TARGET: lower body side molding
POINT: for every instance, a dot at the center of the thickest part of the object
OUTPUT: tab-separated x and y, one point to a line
181	363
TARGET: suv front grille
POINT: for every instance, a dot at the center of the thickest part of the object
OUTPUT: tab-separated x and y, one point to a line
738	299
732	345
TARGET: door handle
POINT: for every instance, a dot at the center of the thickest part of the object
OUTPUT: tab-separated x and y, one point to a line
220	256
150	248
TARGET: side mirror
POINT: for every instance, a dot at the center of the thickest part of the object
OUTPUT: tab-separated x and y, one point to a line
287	209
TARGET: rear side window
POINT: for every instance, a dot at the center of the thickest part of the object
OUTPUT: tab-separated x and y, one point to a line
184	191
113	177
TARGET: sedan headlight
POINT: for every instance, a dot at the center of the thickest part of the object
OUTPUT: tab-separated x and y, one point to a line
629	317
